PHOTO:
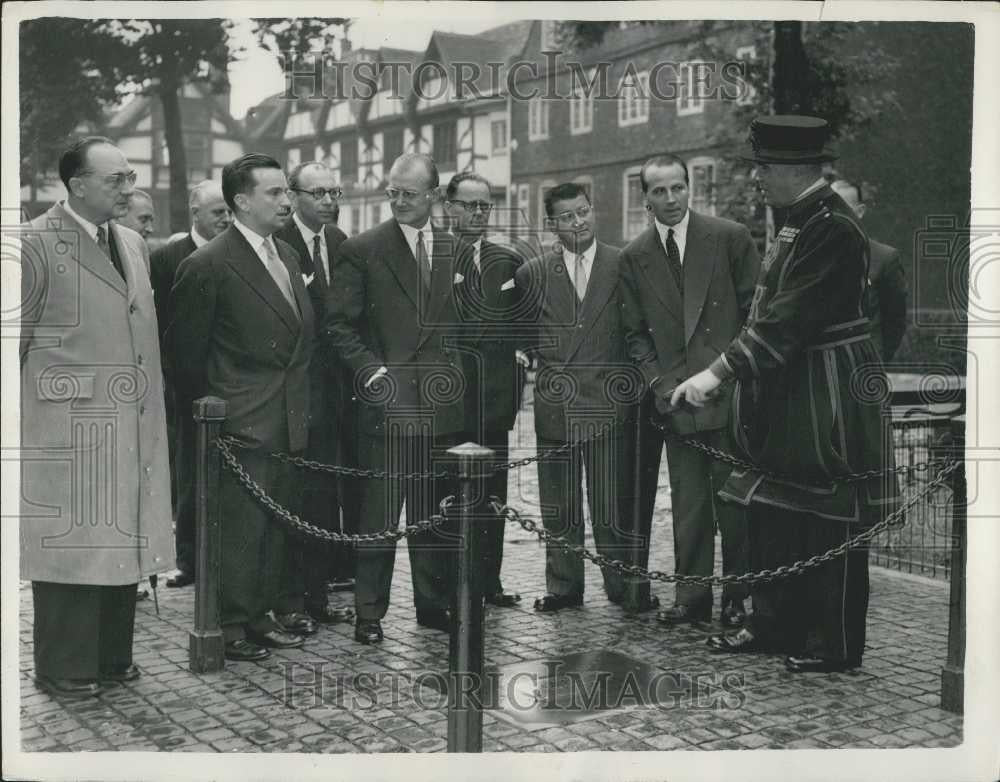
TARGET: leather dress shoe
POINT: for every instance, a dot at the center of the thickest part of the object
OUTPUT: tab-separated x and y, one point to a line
68	688
141	594
276	639
124	673
328	615
368	632
435	619
503	599
296	623
810	664
181	579
245	650
742	641
680	613
732	615
550	603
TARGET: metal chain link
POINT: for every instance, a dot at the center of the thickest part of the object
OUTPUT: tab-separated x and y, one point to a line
302	527
893	520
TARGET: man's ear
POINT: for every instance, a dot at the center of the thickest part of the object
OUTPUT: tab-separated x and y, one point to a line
76	186
861	209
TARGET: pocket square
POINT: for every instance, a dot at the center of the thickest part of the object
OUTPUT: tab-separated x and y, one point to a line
308	278
509	285
459	278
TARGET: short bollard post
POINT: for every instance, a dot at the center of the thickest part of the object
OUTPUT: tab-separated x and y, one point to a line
206	644
953	673
465	650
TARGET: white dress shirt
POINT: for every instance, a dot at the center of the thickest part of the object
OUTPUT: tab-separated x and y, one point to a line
87	226
260	244
308	235
569	260
410	234
680	233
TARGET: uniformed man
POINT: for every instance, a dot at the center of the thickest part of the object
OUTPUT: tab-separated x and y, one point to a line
796	363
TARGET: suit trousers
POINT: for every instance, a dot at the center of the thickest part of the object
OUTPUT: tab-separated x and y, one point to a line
431	553
560	487
821	612
309	564
80	630
255	557
695	477
343	559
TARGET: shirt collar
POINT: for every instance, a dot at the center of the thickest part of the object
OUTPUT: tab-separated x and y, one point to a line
197	238
306	231
680	230
588	254
256	240
411	233
88	226
812	188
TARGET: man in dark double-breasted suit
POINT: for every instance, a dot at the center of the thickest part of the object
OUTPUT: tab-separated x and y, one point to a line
495	377
241	328
687	284
583	390
389	315
313	235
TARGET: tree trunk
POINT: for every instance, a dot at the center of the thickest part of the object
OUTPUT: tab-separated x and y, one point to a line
174	136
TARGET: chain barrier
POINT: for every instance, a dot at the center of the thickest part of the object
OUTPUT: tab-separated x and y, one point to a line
302	527
893	520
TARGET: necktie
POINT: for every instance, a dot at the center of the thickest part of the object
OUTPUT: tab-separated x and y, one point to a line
674	258
279	274
423	264
477	276
580	278
317	259
109	253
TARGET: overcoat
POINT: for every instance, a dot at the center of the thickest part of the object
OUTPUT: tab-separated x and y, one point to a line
95	491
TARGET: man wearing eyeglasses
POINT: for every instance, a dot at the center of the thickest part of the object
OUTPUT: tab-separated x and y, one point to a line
581	393
141	216
312	232
391	306
495	378
241	328
95	515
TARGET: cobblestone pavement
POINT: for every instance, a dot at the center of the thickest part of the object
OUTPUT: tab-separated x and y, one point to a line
336	695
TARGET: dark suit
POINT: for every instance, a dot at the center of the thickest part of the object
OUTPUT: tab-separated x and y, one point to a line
328	418
377	316
495	381
163	265
886	299
672	334
233	334
584	388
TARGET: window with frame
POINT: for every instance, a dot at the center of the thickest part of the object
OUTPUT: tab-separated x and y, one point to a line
355	220
445	145
376	215
635	217
581	110
349	160
538	119
693	87
702	172
498	136
633	99
749	93
294	157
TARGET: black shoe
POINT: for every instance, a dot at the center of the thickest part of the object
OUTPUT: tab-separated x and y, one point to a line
182	579
740	642
328	615
141	594
810	664
680	613
296	623
127	673
503	599
68	688
341	585
550	603
245	650
436	619
276	639
732	615
368	632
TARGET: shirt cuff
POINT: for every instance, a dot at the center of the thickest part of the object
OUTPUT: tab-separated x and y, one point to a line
721	368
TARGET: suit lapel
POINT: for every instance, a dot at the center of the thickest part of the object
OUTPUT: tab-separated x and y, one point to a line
441	279
128	260
653	258
401	263
699	265
562	294
600	287
89	255
247	264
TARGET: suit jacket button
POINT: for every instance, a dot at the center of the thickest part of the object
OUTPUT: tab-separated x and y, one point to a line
131	309
274	344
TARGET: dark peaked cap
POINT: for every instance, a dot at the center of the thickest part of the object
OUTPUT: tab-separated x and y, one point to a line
788	139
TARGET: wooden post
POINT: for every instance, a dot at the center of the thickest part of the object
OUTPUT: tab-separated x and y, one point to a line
953	673
465	649
206	647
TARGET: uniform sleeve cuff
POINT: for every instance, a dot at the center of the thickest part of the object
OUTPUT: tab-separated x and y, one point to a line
721	368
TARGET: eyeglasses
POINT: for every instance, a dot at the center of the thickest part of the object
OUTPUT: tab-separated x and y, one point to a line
392	193
319	193
473	206
116	181
567	217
